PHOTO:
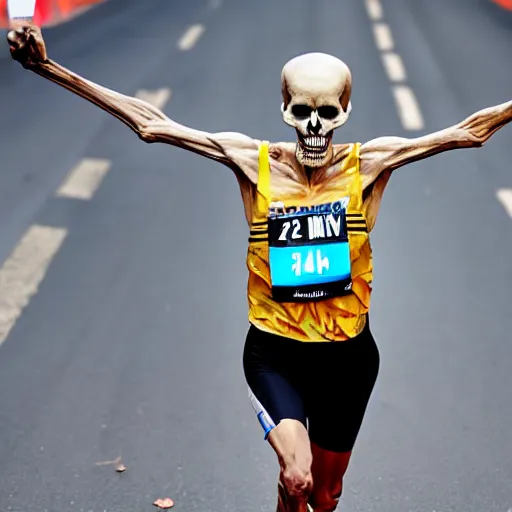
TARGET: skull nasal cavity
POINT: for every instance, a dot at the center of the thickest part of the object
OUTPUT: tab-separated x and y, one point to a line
314	125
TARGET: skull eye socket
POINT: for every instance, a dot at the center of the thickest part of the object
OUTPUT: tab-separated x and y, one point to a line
328	112
301	111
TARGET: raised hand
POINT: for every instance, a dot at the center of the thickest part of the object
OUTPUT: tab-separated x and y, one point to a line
27	46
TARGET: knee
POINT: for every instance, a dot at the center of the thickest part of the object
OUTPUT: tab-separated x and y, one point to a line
297	481
325	499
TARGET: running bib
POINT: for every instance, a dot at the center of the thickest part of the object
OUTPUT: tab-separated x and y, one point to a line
309	254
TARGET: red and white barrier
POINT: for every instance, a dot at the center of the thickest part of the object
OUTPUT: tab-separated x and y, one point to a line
50	12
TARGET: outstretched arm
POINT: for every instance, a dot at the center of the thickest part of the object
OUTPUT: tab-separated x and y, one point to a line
389	153
149	123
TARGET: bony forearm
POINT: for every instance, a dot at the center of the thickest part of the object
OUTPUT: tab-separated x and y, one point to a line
133	112
483	124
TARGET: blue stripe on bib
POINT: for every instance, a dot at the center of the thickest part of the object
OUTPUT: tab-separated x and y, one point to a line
306	265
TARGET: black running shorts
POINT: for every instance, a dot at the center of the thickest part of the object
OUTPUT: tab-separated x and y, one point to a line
324	385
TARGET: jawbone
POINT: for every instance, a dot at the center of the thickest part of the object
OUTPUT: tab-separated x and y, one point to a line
314	151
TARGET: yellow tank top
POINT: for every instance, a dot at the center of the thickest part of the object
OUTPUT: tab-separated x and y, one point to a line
338	317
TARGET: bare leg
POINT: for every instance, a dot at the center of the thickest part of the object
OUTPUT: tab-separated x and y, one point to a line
291	443
328	469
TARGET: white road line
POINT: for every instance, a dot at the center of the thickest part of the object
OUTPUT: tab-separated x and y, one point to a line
394	67
84	179
504	195
190	37
407	105
374	9
157	98
24	270
408	108
383	37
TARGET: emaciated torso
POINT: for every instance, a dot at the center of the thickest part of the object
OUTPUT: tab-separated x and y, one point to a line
333	319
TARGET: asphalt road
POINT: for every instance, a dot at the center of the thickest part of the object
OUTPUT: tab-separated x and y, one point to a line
132	345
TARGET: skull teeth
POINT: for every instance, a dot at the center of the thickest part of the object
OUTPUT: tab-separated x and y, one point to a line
315	142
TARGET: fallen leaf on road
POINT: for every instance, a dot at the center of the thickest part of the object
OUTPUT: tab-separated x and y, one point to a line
165	503
120	468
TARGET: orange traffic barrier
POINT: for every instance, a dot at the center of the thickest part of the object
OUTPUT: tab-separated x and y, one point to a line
43	12
68	7
3	13
50	12
506	4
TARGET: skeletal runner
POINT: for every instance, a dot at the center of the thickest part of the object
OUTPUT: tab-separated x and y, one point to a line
310	359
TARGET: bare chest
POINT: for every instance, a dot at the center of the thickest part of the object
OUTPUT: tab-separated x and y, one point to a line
291	185
290	182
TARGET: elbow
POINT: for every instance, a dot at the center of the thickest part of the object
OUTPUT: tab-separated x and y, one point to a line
145	135
472	140
478	142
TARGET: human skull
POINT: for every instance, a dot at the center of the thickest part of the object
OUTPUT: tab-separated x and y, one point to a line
316	91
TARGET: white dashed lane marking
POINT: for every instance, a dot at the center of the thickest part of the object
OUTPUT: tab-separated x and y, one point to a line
23	272
190	37
409	111
394	67
374	9
504	195
158	98
84	179
408	108
383	37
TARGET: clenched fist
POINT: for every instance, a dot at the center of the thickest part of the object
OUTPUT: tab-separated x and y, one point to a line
27	46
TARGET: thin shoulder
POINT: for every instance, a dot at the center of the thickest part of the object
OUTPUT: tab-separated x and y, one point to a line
283	152
283	162
280	147
380	144
234	140
376	153
344	147
341	151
